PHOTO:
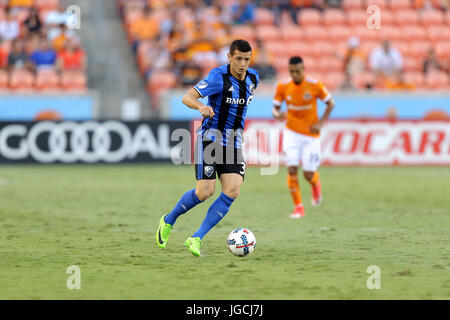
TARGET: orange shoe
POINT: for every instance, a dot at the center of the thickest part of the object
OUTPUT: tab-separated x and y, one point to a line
316	194
299	212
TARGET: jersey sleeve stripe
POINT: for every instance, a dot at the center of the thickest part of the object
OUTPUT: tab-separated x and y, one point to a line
327	98
199	92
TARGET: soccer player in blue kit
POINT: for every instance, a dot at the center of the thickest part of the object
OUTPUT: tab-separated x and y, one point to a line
229	89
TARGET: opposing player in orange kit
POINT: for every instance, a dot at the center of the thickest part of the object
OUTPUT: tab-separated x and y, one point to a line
301	137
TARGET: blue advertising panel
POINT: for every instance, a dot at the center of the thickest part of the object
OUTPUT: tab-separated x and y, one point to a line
371	105
26	108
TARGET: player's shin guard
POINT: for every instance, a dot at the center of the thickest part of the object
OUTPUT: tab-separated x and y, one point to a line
215	213
187	202
294	188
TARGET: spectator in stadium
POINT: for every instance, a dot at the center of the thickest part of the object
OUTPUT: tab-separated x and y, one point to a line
33	23
431	62
44	57
277	7
354	59
3	56
347	84
71	57
263	63
144	28
243	12
18	58
9	28
157	58
60	40
297	5
385	61
398	83
191	74
21	3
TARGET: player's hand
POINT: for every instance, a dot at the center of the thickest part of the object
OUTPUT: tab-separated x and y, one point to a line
206	111
280	116
315	128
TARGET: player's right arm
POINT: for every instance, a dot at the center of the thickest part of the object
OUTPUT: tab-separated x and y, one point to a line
190	99
277	102
209	86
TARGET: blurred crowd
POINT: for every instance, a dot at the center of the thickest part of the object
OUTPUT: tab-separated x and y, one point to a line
35	42
177	42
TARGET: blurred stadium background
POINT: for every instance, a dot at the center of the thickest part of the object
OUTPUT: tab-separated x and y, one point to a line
101	81
133	60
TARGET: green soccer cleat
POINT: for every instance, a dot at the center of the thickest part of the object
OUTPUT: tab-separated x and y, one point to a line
193	245
162	235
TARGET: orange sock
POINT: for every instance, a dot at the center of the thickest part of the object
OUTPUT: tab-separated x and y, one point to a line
294	188
315	178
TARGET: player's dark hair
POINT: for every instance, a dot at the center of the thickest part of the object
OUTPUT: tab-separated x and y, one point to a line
295	60
241	45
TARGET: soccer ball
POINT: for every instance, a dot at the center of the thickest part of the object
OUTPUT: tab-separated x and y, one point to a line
241	242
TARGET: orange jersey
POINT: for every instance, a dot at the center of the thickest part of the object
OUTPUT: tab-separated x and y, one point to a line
301	102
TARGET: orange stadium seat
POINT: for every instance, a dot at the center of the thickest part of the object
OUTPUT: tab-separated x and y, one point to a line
415	78
300	49
416	32
47	80
74	81
437	33
431	17
437	80
309	17
365	34
402	46
339	33
313	33
264	16
368	46
400	5
352	4
357	18
292	33
21	80
4	80
244	31
47	4
406	17
268	33
447	17
382	4
323	48
334	17
333	80
387	18
392	33
278	48
411	63
330	64
281	65
161	80
419	48
361	80
443	49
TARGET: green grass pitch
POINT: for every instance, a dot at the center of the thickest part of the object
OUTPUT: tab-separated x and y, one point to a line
103	219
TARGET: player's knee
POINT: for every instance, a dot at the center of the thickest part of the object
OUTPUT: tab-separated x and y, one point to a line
293	171
308	175
204	192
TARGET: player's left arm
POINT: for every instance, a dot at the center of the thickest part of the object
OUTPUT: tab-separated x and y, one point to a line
325	96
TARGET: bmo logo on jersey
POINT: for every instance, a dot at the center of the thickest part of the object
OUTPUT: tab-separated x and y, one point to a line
238	101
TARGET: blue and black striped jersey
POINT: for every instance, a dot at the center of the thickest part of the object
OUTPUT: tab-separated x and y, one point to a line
229	97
